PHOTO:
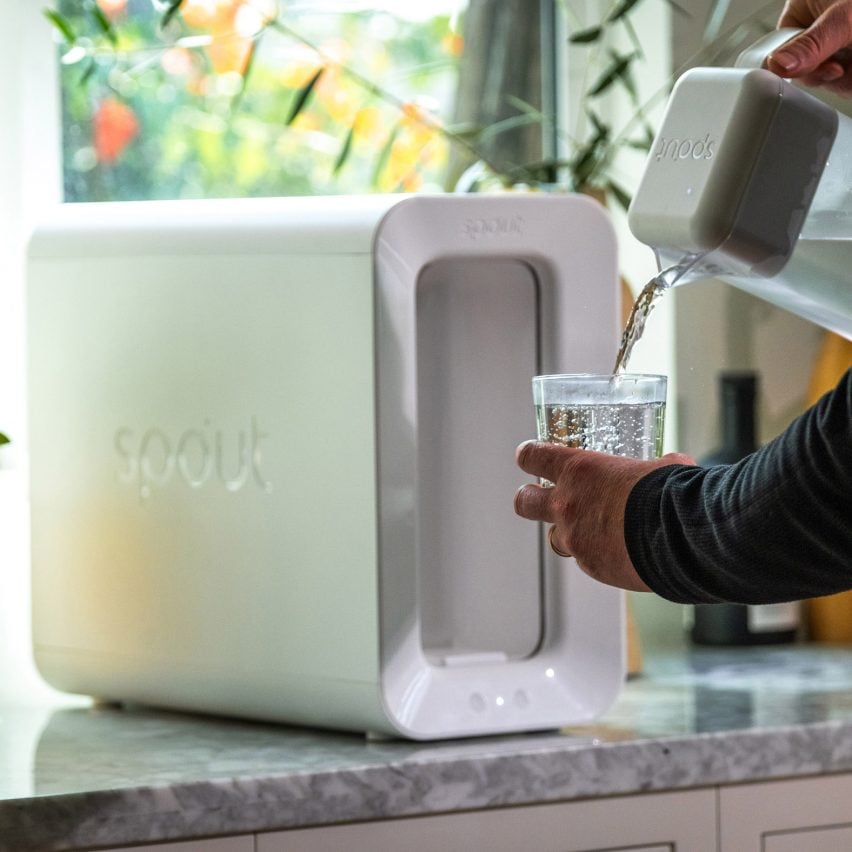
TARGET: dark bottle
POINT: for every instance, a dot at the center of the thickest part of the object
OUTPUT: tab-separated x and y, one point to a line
736	624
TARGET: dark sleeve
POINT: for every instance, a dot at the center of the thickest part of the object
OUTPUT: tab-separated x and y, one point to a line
776	526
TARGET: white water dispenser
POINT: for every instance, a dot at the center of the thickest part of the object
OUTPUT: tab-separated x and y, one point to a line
272	458
750	180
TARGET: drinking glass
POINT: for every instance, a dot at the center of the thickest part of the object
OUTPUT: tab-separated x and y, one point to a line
621	414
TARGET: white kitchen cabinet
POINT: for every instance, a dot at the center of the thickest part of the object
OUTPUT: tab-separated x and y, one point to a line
813	814
243	843
658	822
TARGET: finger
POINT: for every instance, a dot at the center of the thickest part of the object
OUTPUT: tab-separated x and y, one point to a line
801	55
535	503
543	459
828	72
841	86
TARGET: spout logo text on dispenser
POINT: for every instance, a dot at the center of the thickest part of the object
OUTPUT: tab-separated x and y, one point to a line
675	149
495	226
151	459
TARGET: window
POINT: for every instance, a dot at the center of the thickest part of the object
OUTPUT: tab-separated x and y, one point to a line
219	98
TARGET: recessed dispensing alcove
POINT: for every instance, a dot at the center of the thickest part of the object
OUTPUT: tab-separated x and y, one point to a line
479	566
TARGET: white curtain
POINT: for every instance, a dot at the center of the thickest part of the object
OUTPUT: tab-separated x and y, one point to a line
29	180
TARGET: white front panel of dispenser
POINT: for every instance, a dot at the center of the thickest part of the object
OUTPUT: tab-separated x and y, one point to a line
203	468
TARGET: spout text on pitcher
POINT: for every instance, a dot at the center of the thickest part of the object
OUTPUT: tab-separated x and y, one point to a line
152	459
685	149
494	226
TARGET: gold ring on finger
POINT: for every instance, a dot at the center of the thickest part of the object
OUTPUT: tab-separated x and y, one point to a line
553	546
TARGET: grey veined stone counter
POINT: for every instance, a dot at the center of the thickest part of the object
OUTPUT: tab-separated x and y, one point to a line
75	777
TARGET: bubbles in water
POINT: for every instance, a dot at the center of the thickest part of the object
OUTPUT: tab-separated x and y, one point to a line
634	430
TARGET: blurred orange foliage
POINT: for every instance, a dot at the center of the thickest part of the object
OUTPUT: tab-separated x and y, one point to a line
453	44
418	143
113	8
232	25
114	126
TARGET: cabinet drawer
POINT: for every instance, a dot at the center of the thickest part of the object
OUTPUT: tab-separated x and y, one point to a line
777	816
660	822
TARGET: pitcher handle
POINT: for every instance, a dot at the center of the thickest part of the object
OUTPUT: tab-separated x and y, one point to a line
756	54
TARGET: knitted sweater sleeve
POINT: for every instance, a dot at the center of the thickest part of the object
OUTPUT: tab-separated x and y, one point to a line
776	526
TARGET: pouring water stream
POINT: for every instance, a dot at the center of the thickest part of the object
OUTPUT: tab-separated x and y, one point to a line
686	269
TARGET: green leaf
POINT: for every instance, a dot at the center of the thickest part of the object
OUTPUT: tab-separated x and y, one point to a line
238	97
302	96
588	158
634	37
345	151
584	166
172	8
616	71
639	144
621	10
382	159
507	124
466	131
600	128
103	23
619	194
4	439
61	24
628	81
586	36
88	71
524	106
644	144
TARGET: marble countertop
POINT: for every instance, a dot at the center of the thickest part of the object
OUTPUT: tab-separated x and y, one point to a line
78	776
